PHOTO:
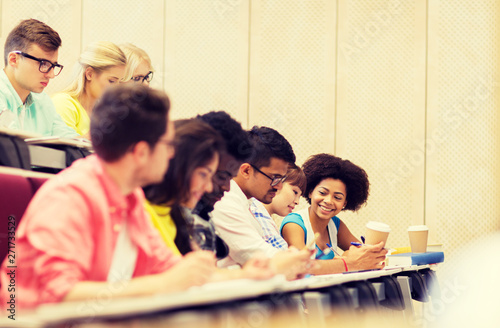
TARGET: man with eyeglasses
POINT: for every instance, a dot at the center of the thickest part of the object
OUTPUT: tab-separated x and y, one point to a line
30	58
259	177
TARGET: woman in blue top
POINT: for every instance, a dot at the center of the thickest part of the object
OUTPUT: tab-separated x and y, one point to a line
333	185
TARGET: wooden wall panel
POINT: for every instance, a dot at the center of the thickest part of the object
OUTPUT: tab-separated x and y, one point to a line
206	57
381	108
292	70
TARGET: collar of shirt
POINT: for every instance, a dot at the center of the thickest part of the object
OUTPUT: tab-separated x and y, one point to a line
117	201
27	104
14	97
257	207
235	188
124	207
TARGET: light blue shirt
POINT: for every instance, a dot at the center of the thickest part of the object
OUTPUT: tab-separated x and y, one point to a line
269	229
37	114
301	218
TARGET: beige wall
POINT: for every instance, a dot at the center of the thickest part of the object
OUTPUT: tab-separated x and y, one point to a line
406	89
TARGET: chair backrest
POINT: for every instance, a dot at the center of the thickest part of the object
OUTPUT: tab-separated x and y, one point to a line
17	187
36	183
15	194
14	152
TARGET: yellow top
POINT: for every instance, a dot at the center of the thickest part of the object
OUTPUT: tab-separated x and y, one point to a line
160	216
72	112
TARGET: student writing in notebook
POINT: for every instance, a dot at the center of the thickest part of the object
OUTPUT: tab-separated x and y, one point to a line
85	232
189	176
31	53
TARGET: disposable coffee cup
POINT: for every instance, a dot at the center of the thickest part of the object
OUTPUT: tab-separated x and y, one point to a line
418	238
376	232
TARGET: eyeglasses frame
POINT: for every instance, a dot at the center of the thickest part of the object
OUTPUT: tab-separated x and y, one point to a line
274	181
145	78
40	61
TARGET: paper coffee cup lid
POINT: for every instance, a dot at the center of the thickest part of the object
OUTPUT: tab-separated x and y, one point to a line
378	226
418	228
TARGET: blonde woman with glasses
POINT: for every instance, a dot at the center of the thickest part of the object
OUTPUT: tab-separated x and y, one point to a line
100	65
139	69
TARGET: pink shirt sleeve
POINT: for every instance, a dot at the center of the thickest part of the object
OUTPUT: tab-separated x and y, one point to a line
62	244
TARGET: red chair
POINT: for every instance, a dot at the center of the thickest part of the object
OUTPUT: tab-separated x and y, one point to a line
36	183
15	194
17	187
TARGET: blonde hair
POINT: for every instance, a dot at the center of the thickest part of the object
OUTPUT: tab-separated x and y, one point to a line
100	56
135	56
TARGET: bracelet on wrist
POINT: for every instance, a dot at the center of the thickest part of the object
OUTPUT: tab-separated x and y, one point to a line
345	264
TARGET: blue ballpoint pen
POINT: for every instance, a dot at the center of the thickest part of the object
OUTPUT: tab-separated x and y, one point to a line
331	248
355	243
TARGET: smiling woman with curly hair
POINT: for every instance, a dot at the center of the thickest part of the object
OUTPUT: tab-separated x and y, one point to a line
333	185
323	166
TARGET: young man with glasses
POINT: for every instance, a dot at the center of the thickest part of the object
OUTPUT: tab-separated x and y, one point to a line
260	177
30	58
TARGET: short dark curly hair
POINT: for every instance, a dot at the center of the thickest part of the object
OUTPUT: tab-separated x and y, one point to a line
237	143
323	166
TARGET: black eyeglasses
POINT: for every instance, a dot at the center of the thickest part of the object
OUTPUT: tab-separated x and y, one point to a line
45	65
141	79
274	181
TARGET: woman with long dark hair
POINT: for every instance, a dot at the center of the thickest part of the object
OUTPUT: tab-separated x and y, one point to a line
189	176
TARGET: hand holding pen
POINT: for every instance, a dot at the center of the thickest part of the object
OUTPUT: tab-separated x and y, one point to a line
364	256
355	243
338	256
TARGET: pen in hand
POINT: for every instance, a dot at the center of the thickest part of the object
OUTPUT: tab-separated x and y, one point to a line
332	249
355	243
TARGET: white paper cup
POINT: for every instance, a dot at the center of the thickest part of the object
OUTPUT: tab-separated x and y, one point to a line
376	232
418	238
